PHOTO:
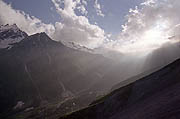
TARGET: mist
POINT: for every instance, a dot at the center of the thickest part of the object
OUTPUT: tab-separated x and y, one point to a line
149	37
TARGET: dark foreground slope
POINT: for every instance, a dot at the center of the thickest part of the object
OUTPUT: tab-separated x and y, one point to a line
156	96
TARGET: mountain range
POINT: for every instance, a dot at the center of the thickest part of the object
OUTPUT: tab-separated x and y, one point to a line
36	69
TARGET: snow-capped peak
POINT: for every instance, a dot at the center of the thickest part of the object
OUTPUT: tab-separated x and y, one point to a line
10	34
8	27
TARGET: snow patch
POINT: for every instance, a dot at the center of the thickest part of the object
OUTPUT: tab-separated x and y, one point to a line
8	43
29	109
19	105
10	34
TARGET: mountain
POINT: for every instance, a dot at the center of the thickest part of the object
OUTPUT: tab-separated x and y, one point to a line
162	56
36	71
10	34
156	60
39	69
155	96
40	77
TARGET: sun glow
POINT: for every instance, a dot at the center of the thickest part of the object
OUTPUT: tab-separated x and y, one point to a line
158	34
150	39
155	37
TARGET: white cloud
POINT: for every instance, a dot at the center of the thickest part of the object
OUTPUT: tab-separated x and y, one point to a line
149	2
155	22
82	9
27	23
71	28
84	2
149	26
97	7
75	28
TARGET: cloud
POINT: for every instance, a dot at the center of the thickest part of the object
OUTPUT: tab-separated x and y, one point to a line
97	7
82	9
27	23
84	2
75	28
70	28
149	26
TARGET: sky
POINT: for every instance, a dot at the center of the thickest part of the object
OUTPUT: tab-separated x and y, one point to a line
114	11
122	25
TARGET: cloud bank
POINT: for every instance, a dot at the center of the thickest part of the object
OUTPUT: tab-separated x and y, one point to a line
154	23
147	27
75	28
70	28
